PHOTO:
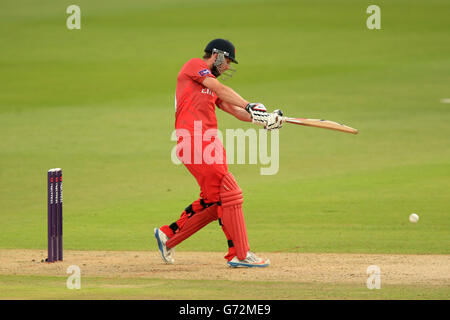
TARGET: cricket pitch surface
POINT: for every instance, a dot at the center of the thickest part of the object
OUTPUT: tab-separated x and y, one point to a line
292	267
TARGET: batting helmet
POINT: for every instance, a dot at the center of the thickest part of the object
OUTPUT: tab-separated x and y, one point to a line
223	45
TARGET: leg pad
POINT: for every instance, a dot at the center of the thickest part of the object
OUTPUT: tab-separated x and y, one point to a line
193	224
232	216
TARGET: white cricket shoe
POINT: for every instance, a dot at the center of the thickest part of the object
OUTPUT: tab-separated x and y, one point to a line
166	253
249	262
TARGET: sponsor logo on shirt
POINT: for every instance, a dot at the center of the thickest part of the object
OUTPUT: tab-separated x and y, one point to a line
207	91
204	72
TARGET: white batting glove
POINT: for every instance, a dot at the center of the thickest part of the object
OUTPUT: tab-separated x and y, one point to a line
258	112
275	120
260	116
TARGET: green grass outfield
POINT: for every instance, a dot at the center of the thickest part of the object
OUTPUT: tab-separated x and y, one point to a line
37	287
99	103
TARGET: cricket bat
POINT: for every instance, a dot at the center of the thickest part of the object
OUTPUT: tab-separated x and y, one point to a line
326	124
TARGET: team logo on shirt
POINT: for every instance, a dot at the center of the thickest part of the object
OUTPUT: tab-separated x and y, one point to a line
204	72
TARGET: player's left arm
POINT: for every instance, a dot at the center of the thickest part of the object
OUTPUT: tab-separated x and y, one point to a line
236	111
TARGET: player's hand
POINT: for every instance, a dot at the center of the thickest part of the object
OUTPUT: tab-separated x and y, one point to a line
258	112
260	116
275	120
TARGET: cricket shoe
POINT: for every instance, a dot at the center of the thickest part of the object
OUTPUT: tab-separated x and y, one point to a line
249	262
166	253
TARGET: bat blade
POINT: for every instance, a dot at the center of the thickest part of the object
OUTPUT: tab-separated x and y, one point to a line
319	123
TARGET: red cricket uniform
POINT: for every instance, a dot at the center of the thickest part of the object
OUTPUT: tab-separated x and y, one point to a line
195	103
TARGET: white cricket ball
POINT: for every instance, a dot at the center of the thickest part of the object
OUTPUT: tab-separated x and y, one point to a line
413	218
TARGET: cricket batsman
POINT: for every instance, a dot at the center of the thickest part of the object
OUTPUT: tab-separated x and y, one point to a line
198	92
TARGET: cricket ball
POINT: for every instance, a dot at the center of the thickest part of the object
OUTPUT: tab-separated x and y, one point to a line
413	218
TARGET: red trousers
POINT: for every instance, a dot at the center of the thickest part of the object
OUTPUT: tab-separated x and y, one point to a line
209	176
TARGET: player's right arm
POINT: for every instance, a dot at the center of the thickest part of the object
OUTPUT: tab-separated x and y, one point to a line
236	111
224	92
257	111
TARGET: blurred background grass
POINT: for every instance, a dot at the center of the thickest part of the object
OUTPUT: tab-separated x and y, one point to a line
99	103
